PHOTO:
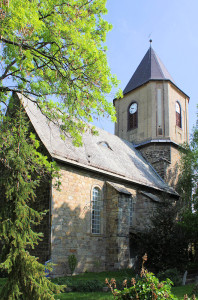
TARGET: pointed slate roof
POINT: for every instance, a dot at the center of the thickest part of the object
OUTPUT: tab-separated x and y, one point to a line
150	68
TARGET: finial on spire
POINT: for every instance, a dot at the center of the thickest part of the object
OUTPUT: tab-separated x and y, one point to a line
150	42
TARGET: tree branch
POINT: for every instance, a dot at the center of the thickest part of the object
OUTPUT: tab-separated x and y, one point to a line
7	69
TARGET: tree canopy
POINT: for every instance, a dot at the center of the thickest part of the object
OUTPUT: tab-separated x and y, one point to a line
188	189
54	51
188	178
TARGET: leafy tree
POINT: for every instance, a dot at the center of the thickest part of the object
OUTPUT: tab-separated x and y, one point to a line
51	51
22	167
188	189
55	50
188	179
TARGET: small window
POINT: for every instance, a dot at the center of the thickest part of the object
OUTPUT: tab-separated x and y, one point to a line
96	211
133	116
178	114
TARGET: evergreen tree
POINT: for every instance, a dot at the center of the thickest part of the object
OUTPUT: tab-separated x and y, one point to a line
165	242
22	167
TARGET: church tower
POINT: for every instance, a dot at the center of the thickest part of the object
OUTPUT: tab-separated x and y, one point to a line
153	115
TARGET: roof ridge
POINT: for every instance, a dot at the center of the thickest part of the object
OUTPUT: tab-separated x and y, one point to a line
157	61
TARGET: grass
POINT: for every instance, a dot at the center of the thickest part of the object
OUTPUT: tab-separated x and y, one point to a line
179	291
119	275
90	296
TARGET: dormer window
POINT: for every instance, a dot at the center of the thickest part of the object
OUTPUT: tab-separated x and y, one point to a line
133	116
104	144
178	114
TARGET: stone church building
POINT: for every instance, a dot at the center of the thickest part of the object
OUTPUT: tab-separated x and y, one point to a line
113	183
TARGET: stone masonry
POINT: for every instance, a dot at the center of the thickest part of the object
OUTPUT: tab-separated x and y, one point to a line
71	222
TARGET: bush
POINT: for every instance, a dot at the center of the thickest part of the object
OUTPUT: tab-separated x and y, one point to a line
165	241
147	287
86	286
72	260
172	274
80	285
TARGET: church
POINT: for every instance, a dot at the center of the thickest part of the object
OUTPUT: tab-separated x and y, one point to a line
113	183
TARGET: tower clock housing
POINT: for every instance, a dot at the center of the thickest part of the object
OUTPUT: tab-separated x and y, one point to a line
153	115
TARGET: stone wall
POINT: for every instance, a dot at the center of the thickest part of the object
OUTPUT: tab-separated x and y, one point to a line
156	121
71	222
164	157
111	228
158	155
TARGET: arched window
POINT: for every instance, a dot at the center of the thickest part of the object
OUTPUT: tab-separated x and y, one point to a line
178	114
133	116
96	211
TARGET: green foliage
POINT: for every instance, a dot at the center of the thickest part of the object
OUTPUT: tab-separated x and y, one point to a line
55	49
94	279
147	287
86	286
80	285
85	296
49	49
22	167
72	260
188	178
188	189
165	242
173	274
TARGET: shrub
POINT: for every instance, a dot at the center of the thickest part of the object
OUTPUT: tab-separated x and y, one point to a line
147	287
86	286
80	285
165	241
172	274
72	260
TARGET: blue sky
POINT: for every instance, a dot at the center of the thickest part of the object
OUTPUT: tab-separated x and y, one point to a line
173	27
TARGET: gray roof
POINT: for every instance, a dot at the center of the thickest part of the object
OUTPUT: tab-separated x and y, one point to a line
151	196
150	68
104	153
119	188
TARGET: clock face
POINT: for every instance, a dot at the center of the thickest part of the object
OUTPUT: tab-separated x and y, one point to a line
133	108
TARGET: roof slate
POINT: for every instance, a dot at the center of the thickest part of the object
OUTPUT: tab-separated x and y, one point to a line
120	159
150	68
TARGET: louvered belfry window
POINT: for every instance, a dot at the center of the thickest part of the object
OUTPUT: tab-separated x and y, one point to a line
133	116
96	211
178	114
